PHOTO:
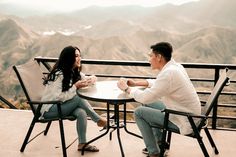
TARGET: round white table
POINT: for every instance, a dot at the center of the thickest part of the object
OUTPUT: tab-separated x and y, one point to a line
108	92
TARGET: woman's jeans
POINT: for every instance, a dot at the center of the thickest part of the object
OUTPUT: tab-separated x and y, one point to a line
147	116
78	108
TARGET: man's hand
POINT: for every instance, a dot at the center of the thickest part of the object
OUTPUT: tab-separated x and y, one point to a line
131	82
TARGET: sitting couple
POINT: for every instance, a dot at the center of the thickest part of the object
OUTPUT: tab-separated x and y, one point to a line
61	84
172	89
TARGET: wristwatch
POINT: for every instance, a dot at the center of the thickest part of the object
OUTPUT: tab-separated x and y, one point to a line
126	89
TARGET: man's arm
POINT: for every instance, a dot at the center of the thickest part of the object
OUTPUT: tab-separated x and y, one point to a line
131	82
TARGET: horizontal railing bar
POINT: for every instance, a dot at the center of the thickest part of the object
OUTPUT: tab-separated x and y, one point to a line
45	59
126	76
227	105
132	111
147	77
144	63
224	129
202	79
141	63
226	117
105	109
209	66
222	93
7	103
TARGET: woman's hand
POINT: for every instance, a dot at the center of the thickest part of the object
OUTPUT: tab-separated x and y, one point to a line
81	84
91	79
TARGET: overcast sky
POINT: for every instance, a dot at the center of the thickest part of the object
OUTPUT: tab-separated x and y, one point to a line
70	5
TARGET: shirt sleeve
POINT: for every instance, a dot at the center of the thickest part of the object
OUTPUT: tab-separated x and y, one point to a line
159	88
150	82
53	91
83	76
66	95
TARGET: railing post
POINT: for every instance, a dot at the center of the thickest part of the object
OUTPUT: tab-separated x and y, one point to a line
7	102
45	63
214	113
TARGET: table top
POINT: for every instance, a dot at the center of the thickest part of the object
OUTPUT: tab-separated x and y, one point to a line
104	91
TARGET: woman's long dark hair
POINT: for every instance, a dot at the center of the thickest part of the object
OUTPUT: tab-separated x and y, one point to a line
65	65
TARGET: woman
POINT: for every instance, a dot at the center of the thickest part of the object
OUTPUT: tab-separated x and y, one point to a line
61	84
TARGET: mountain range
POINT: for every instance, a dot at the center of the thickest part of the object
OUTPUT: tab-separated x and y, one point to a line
200	32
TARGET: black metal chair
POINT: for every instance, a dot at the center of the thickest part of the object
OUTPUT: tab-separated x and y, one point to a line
201	124
31	77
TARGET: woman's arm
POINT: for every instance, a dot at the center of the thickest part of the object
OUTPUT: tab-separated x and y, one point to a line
90	79
53	91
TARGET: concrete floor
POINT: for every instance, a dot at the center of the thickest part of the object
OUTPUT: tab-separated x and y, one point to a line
14	125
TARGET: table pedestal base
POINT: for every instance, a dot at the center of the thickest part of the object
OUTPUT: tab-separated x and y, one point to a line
115	126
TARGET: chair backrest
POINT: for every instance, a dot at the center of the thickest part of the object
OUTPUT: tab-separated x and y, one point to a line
211	101
30	77
223	79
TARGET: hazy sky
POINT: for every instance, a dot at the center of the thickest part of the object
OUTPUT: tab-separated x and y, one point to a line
70	5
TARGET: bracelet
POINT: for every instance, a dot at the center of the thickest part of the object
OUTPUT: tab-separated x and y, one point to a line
126	89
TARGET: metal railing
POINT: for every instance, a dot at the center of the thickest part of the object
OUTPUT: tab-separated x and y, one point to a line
5	101
46	61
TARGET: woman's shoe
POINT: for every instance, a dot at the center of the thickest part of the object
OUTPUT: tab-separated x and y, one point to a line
89	148
102	122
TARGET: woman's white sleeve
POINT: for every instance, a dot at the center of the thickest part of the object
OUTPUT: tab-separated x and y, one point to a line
66	95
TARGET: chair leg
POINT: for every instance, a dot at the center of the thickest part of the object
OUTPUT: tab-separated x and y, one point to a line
28	135
62	138
169	139
204	150
47	128
163	138
163	141
199	138
213	145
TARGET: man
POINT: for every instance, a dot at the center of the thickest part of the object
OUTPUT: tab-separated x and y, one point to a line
172	87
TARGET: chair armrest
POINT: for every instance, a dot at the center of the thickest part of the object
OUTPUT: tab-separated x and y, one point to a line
45	102
41	103
181	113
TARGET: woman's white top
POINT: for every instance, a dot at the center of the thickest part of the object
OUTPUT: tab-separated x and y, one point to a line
173	87
53	92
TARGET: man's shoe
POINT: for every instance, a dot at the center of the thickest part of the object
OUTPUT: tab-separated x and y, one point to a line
157	155
167	146
145	151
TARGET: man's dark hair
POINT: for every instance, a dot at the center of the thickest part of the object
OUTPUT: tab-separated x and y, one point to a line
163	48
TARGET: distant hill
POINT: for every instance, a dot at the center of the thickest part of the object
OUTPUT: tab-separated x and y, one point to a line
103	21
14	40
201	32
209	45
